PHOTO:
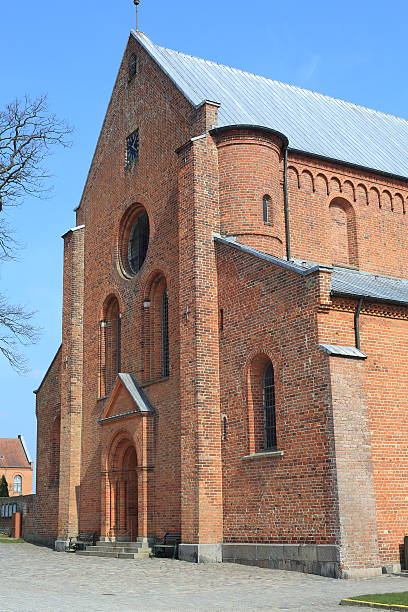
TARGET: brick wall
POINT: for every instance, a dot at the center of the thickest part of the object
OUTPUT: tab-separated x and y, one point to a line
164	118
270	311
48	409
379	206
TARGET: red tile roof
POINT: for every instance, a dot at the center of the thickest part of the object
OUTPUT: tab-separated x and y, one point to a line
12	453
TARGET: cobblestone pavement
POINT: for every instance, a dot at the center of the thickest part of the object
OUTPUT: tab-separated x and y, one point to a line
36	579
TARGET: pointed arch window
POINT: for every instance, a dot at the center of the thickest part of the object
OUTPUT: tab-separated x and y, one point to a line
269	407
110	346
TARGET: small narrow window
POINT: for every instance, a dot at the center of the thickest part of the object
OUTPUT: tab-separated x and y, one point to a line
18	485
224	428
269	407
165	334
132	147
266	205
221	320
132	67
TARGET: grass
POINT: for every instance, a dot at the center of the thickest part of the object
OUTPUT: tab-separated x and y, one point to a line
6	540
400	599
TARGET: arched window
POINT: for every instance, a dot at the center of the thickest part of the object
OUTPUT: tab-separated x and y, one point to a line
133	241
165	333
155	329
267	209
269	407
138	242
110	331
18	485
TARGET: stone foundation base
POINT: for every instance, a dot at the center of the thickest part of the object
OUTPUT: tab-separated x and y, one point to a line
391	568
320	559
201	553
60	545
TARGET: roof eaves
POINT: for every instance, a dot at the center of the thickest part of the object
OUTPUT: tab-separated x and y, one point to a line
224	128
148	46
367	296
282	263
349	164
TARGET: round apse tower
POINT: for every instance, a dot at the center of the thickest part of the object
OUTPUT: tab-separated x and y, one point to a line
251	172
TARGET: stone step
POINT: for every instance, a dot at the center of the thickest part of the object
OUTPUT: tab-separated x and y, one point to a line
114	548
145	554
118	544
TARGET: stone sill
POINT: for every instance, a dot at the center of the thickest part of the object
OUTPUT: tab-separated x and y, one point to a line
261	454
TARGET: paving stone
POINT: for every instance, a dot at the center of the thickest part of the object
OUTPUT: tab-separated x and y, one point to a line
37	579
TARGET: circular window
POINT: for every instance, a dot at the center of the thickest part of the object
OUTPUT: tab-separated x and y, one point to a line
134	240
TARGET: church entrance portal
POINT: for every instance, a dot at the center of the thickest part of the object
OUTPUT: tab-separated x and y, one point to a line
122	497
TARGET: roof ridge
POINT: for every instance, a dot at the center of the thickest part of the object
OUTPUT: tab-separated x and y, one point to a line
289	85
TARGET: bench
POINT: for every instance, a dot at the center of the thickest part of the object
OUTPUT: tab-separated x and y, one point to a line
5	531
168	546
81	541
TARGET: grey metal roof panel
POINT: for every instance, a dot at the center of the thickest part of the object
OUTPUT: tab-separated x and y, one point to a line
343	351
314	123
371	286
136	392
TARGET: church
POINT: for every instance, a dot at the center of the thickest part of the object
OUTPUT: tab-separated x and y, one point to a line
234	344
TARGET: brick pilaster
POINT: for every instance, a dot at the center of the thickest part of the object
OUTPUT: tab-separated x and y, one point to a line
71	382
201	470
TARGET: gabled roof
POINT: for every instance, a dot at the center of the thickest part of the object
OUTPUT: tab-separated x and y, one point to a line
314	123
12	454
139	399
344	282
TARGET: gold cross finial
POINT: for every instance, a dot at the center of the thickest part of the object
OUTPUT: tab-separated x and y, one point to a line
136	3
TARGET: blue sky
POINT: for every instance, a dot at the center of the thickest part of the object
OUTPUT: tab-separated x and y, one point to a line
71	50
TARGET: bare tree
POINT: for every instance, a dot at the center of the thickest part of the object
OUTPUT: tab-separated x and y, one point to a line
28	134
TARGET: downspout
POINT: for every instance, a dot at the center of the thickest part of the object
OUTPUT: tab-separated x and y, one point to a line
286	202
357	322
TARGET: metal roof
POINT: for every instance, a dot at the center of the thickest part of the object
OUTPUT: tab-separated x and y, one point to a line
314	123
343	351
344	282
136	392
371	286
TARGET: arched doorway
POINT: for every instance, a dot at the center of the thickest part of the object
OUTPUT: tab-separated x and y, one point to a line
122	494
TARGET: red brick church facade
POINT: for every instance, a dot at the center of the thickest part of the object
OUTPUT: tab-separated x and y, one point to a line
233	357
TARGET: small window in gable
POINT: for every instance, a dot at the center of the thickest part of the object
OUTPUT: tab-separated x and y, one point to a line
132	148
267	209
132	67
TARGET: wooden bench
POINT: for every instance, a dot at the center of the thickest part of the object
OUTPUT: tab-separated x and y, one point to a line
81	541
168	546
